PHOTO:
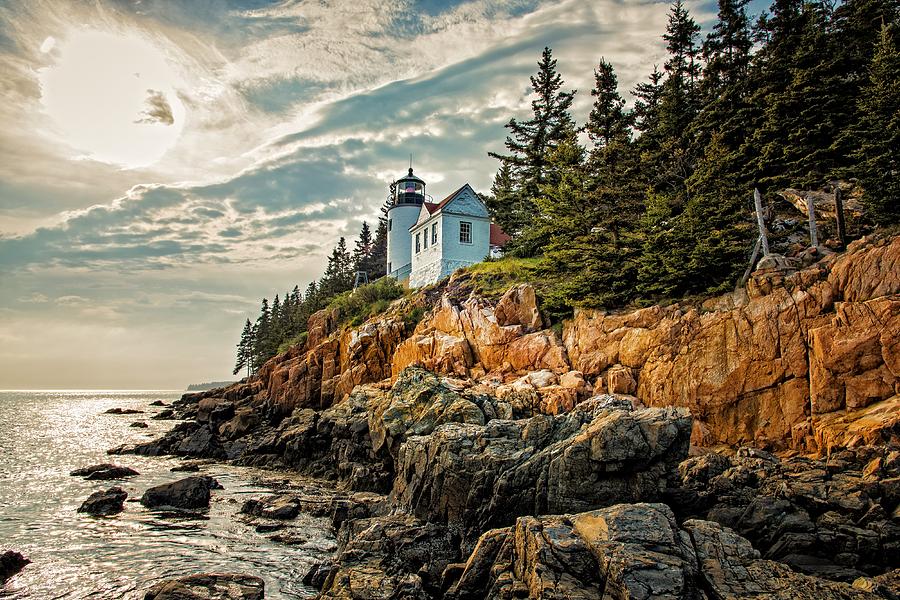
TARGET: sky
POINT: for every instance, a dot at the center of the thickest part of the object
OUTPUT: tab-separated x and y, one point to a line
164	165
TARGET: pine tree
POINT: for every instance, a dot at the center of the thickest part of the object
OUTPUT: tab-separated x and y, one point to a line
263	348
245	350
646	112
529	144
504	194
362	252
718	222
877	133
338	275
723	86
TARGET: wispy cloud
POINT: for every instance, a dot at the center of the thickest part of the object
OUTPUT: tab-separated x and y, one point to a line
296	115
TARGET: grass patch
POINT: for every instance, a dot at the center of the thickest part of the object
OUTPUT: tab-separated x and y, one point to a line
297	340
366	301
492	278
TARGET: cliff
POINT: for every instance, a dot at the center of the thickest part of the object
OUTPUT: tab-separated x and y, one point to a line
478	454
805	358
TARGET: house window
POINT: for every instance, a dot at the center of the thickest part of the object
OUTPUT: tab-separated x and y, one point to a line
417	244
389	267
433	234
390	221
465	232
425	238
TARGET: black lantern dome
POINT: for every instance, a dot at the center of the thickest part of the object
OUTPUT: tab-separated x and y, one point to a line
409	190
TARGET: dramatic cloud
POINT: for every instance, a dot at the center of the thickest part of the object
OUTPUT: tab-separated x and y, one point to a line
158	109
281	125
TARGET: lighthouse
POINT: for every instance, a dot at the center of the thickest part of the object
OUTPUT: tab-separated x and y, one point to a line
407	197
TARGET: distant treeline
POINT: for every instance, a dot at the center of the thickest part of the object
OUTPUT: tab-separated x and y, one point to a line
659	204
201	387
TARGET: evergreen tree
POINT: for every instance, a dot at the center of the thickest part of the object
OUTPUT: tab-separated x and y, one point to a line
723	87
245	350
718	221
362	252
529	144
878	133
338	275
678	104
263	348
504	196
646	112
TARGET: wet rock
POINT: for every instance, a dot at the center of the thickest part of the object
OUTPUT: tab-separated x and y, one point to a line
396	556
105	503
123	411
209	586
139	425
191	492
164	415
11	562
272	507
318	574
157	403
186	468
104	471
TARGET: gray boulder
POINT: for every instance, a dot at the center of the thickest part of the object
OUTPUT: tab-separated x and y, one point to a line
191	492
104	471
105	503
209	586
11	562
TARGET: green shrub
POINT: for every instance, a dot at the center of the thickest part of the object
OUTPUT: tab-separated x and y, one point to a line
367	300
297	340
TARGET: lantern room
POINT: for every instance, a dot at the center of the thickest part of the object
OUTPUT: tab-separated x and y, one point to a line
409	190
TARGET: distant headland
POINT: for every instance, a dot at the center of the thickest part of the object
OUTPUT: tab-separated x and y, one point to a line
211	385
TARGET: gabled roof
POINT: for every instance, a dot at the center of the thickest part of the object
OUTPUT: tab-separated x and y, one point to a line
447	200
498	236
432	208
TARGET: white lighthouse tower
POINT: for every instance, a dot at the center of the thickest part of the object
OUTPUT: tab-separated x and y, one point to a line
408	195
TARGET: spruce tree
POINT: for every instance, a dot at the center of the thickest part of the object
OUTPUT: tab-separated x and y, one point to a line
263	348
529	144
244	350
362	252
718	221
504	194
646	112
878	133
723	86
338	275
678	104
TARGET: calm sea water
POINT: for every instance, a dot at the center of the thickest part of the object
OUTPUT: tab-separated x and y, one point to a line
45	435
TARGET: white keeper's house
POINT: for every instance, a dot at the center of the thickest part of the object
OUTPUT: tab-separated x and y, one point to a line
429	240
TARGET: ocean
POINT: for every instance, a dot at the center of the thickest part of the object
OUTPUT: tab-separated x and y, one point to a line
46	434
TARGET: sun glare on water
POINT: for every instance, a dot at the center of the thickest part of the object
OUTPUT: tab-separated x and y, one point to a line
112	97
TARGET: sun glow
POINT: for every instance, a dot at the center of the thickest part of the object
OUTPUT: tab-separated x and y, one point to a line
112	97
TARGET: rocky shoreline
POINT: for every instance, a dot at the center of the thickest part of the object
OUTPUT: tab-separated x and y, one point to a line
481	455
443	490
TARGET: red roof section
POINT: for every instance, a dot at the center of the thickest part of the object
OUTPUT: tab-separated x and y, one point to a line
446	200
498	236
431	207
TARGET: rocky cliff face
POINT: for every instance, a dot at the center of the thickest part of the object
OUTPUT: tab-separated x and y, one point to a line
806	359
772	368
